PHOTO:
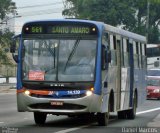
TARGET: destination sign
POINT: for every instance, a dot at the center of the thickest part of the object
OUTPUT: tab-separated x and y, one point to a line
70	30
33	30
60	29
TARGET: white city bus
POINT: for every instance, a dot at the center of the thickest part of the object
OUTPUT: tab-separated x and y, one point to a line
51	79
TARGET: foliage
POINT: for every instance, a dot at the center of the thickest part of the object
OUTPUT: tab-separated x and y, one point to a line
129	14
5	41
6	7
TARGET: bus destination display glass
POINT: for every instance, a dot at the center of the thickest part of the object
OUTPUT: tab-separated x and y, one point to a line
60	29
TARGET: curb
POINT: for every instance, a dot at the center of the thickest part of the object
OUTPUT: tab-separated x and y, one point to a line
5	88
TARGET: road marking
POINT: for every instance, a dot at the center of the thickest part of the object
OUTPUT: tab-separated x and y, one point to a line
1	122
80	127
147	111
72	129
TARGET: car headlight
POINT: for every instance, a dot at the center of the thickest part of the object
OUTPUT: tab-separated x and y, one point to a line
156	91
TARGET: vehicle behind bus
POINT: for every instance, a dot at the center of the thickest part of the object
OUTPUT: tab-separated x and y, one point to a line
153	56
153	87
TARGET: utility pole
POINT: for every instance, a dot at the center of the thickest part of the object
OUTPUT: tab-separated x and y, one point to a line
147	20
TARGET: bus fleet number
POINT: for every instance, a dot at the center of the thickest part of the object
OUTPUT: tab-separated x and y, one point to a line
73	92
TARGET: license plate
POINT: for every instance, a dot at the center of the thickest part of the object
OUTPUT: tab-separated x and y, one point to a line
56	103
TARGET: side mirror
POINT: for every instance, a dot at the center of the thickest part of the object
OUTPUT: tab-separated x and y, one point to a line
13	47
15	57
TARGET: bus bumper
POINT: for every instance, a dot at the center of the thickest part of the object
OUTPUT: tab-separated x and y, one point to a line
86	104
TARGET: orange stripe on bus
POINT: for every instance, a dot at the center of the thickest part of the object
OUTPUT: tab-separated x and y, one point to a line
39	92
21	90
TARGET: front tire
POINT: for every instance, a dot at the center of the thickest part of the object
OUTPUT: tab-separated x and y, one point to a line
40	118
103	119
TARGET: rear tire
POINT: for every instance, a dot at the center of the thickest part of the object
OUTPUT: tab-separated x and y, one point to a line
122	115
131	114
40	118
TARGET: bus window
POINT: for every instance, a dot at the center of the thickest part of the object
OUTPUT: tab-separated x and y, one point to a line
122	51
105	50
140	55
136	56
126	52
143	56
113	50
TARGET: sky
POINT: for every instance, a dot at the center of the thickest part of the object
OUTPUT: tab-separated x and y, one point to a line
29	10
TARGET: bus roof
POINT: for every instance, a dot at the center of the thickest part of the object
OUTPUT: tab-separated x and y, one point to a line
66	20
125	33
98	23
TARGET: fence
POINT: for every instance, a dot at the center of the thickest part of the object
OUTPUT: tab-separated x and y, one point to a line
11	80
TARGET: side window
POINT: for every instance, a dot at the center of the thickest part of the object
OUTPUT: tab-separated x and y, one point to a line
113	50
135	54
140	55
122	55
144	63
105	40
126	52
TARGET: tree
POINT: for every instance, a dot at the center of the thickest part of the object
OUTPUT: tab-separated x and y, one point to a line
5	41
6	7
130	14
153	21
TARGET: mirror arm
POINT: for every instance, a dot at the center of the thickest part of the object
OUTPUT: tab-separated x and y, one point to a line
15	57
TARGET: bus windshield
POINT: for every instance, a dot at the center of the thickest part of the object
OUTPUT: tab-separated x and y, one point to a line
59	59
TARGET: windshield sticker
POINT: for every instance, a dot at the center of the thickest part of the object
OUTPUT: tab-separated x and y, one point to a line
36	75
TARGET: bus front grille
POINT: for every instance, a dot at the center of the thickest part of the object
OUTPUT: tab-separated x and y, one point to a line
65	106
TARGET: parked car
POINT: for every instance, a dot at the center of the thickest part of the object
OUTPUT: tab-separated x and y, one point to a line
153	87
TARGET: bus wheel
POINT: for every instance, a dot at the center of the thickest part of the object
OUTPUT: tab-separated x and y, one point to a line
121	114
39	118
103	119
132	112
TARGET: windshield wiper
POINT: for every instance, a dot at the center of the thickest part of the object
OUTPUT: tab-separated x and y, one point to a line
72	52
53	53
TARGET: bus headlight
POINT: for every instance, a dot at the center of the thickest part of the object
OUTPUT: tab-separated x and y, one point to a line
27	92
89	93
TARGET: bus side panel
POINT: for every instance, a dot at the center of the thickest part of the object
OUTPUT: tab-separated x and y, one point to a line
142	87
112	78
125	91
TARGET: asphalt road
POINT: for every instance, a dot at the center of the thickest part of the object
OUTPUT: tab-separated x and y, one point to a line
147	120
